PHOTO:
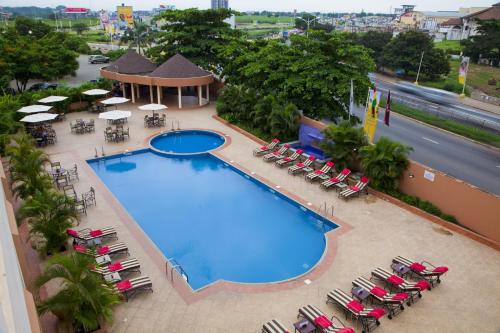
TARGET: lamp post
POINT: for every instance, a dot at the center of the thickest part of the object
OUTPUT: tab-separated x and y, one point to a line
308	22
419	66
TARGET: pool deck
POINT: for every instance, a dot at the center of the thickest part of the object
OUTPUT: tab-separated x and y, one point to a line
372	232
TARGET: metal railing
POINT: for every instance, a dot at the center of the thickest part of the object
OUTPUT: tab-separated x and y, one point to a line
174	265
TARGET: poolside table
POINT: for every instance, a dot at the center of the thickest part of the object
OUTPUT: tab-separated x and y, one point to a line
103	260
340	186
360	293
400	269
57	172
304	326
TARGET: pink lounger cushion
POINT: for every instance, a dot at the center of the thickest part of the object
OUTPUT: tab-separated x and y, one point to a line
276	152
377	291
115	267
400	297
300	165
96	233
423	284
355	306
346	172
355	188
79	248
323	322
124	285
103	250
276	140
395	280
72	232
264	148
440	269
346	330
417	267
318	172
376	313
286	159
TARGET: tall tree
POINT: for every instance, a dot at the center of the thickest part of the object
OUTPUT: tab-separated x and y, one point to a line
26	26
80	27
137	35
486	44
404	52
375	41
196	34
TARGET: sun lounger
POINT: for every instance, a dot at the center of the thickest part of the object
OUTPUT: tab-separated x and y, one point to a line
311	176
321	321
266	149
278	154
129	288
113	249
392	280
336	180
274	326
368	317
356	189
290	159
299	167
432	274
129	265
86	235
392	302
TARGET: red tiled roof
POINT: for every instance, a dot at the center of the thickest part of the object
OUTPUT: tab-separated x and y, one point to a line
453	21
492	13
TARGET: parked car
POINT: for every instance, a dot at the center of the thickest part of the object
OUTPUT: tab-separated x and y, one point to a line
43	86
98	59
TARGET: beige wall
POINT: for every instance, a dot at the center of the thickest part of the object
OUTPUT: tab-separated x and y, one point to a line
473	208
157	81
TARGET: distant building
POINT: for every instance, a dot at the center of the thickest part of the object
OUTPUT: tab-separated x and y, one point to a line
216	4
466	26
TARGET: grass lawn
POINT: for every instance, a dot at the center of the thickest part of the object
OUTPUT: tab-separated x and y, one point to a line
263	19
467	131
449	46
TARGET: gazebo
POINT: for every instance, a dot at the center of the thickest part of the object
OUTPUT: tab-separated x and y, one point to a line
177	72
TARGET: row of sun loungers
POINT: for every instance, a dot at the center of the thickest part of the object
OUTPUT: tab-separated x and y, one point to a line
272	152
391	302
126	288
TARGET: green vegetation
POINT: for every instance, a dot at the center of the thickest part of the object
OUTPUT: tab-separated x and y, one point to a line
375	41
467	131
256	19
448	82
84	300
449	46
486	43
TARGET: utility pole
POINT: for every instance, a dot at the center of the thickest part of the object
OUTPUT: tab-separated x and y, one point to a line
308	22
419	66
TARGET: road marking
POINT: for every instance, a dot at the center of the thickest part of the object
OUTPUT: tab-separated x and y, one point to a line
435	142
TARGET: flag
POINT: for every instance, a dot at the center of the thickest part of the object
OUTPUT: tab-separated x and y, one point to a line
387	109
371	114
351	100
462	70
374	101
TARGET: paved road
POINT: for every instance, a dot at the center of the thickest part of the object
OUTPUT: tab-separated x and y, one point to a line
453	155
456	110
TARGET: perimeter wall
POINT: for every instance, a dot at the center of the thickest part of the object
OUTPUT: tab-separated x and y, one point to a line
474	208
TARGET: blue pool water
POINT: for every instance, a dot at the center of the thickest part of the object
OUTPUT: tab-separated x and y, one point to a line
187	142
214	220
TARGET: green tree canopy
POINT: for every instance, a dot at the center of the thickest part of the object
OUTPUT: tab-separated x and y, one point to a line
375	41
486	44
28	27
196	34
80	27
404	52
306	73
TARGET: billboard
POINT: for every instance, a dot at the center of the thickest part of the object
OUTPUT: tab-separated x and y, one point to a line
74	10
462	70
125	17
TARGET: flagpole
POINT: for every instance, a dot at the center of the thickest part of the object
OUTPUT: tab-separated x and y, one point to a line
465	79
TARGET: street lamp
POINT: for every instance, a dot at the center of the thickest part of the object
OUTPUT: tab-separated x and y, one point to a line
419	66
309	21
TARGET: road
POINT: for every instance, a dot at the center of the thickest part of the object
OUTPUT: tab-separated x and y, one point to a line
451	154
456	110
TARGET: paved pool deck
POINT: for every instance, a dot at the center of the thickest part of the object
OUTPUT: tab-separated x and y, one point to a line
373	232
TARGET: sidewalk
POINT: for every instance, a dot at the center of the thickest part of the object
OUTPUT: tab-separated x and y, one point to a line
466	100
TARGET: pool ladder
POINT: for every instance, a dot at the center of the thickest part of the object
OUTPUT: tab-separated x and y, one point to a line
178	125
175	266
324	210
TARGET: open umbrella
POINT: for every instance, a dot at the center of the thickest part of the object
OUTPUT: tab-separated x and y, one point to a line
39	117
95	92
115	100
114	115
35	108
152	107
52	99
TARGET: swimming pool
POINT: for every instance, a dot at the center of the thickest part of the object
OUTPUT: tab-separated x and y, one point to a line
214	220
187	141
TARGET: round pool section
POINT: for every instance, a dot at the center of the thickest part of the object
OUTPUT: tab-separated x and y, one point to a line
187	142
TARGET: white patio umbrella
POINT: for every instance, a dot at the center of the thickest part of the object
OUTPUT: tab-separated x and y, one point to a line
115	100
35	108
52	99
114	115
95	92
39	117
152	107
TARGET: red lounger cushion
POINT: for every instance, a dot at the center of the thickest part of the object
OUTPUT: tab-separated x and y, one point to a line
376	313
355	306
396	280
334	180
300	165
96	233
276	152
346	330
72	232
115	267
400	297
103	250
323	322
441	269
79	248
355	188
423	284
263	148
318	172
377	291
417	267
286	159
124	285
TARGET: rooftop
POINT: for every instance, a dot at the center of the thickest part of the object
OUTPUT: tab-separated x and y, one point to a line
131	63
178	67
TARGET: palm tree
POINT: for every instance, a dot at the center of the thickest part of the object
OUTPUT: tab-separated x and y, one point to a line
49	214
84	299
342	143
385	162
284	121
27	167
138	35
262	111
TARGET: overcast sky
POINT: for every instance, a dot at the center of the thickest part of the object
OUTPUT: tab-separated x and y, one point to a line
276	5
